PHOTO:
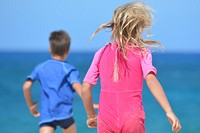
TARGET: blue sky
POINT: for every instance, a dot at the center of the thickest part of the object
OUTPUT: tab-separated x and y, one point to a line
26	24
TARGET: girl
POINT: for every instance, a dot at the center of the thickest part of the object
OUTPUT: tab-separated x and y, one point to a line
121	65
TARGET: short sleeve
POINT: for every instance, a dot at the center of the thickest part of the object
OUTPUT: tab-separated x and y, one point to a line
92	74
74	76
34	75
146	63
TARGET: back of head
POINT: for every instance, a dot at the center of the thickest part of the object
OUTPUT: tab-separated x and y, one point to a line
59	42
128	23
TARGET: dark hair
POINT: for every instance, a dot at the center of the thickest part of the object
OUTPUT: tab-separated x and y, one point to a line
59	42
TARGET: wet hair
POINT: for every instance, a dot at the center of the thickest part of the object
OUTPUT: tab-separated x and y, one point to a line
59	42
127	25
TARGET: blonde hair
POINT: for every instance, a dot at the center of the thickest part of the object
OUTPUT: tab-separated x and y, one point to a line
127	26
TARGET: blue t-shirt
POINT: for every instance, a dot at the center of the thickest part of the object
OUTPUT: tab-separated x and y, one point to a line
56	79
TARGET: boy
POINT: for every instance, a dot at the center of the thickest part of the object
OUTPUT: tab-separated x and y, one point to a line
58	80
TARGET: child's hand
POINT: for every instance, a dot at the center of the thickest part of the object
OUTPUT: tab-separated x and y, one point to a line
92	122
176	126
34	111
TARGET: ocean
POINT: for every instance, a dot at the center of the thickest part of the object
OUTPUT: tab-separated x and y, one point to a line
179	74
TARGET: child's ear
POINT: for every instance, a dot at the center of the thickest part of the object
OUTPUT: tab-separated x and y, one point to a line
50	50
67	52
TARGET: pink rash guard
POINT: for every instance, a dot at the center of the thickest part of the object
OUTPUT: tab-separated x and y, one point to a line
120	104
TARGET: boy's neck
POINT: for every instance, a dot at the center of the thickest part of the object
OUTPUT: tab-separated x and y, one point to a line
60	58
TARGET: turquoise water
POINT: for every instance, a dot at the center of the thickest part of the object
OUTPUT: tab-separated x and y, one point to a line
178	73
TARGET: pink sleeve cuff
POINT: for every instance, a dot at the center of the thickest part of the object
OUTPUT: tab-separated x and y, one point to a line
92	74
146	63
146	72
89	81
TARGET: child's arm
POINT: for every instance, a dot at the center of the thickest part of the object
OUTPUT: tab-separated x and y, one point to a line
159	94
27	94
86	94
77	88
